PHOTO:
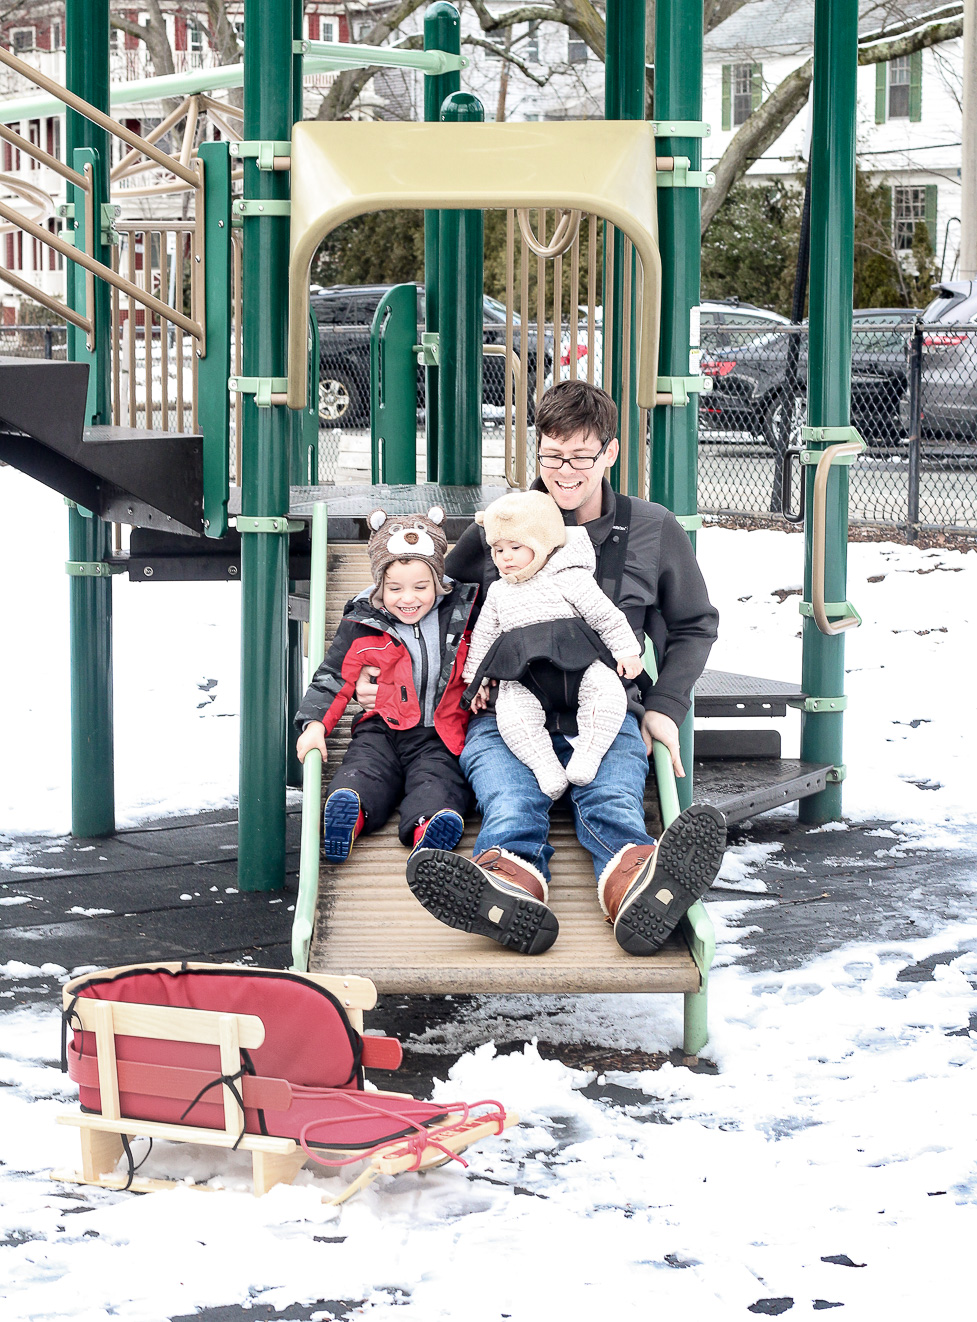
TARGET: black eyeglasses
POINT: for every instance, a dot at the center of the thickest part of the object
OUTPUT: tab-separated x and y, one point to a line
579	463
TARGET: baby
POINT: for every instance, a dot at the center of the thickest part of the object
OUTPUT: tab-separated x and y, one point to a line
551	638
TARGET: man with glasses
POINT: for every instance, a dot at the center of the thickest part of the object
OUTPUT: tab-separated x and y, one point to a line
646	565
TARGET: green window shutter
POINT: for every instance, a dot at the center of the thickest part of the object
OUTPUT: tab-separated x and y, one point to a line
931	215
756	86
880	82
727	97
916	86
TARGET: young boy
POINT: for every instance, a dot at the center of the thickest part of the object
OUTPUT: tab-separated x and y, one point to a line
412	627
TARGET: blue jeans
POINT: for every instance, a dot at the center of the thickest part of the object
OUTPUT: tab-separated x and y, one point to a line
608	813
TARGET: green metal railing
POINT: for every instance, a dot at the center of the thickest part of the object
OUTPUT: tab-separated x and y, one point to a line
308	896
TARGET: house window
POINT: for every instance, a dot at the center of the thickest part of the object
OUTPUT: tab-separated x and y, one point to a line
362	30
195	43
899	82
34	137
911	206
742	93
23	39
327	30
577	50
57	35
899	89
530	51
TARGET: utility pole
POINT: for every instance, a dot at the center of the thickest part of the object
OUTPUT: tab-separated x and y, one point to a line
968	154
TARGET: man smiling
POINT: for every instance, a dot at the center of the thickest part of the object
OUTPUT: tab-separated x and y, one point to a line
646	565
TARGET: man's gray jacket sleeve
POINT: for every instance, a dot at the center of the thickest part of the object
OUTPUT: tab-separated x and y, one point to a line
683	623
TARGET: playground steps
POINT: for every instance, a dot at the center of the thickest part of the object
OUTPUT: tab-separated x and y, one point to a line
151	479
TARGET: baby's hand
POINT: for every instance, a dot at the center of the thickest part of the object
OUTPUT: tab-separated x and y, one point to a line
313	736
629	667
480	700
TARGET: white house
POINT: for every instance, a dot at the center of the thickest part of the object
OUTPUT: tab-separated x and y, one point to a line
909	118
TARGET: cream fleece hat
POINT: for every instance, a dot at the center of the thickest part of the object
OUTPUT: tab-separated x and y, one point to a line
407	537
532	518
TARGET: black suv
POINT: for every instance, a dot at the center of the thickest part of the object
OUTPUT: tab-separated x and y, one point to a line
345	314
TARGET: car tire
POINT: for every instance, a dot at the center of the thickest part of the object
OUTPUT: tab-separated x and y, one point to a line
772	419
341	402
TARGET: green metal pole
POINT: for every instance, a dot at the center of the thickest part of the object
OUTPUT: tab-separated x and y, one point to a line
268	111
624	98
89	539
298	474
675	430
829	372
460	263
442	31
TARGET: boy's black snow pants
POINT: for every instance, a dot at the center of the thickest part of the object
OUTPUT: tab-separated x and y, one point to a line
411	768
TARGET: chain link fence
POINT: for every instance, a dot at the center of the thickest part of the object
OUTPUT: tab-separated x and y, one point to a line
344	398
34	342
913	401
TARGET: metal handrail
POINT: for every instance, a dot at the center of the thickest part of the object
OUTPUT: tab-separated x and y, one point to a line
46	300
96	116
308	896
818	518
43	158
105	273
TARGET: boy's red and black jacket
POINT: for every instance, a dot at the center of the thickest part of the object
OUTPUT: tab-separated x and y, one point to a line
367	637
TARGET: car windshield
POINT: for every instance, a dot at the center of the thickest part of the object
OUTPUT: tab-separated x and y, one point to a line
495	306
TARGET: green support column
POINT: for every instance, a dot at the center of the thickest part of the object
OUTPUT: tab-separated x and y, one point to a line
89	539
460	265
442	31
829	372
298	474
675	431
624	98
268	111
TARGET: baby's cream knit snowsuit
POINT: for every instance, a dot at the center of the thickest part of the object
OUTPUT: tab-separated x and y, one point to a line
562	589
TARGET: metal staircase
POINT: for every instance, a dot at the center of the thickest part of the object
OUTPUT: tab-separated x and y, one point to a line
148	479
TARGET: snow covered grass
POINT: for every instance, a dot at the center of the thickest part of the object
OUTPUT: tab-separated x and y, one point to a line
828	1164
829	1160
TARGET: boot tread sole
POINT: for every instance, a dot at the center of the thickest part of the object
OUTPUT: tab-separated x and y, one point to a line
688	857
458	893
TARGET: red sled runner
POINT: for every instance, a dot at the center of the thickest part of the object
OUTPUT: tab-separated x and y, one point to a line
262	1060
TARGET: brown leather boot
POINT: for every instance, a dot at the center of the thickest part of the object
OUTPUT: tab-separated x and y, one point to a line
645	889
496	894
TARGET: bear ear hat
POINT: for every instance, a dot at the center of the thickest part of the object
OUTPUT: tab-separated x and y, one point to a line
436	514
480	518
377	519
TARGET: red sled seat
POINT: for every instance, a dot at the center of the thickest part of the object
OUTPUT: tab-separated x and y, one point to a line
260	1059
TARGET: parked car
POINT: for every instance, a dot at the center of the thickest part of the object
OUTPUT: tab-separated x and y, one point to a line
718	319
345	314
948	379
751	387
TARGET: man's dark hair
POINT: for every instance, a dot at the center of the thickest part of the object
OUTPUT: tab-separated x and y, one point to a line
574	406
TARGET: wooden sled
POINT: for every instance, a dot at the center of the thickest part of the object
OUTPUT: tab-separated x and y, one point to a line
143	1062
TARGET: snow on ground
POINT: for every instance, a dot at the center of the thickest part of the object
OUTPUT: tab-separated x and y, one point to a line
828	1164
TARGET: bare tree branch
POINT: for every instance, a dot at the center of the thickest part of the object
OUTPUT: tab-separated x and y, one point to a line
506	55
351	82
